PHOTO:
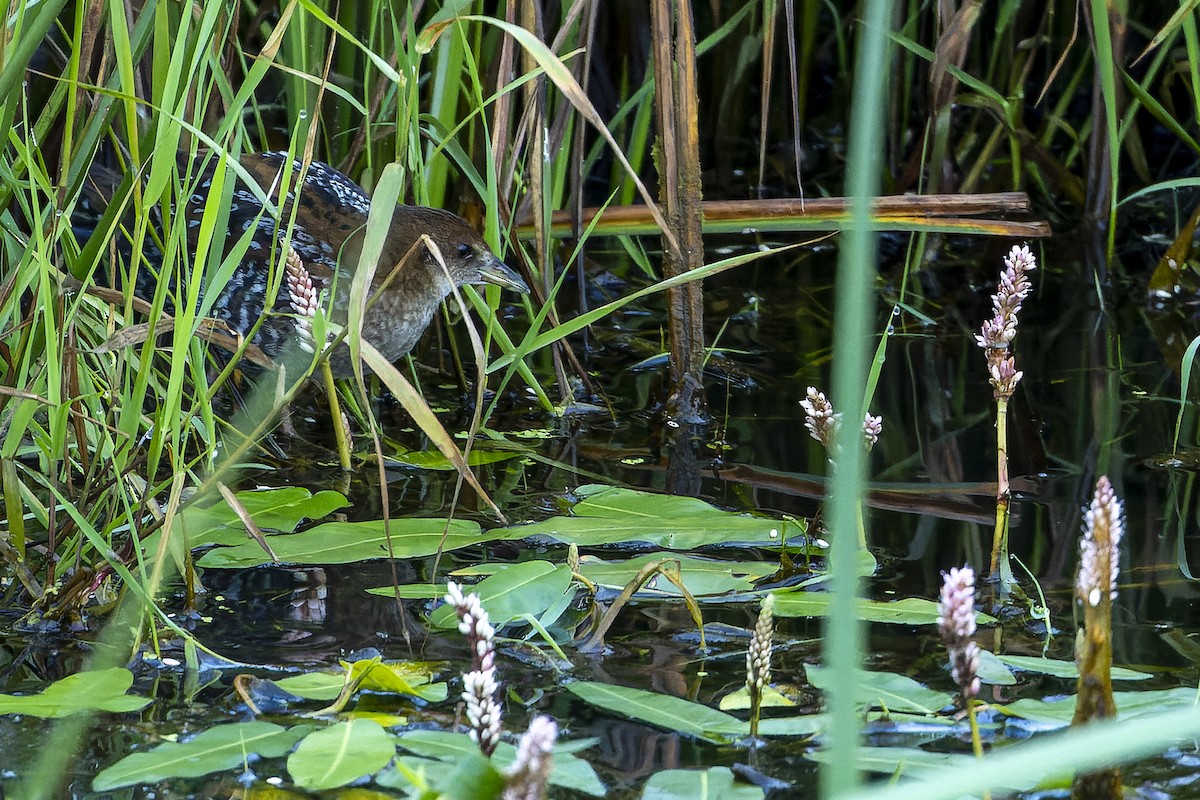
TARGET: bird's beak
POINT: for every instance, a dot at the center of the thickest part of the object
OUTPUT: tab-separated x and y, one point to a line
493	270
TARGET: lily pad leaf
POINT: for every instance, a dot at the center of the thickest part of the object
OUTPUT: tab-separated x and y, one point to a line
886	690
529	587
909	611
615	515
567	770
98	690
348	542
714	783
219	748
1066	669
341	753
662	710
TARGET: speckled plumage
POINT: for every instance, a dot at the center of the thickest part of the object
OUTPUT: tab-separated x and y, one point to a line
328	231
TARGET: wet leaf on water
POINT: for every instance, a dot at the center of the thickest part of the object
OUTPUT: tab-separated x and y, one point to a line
1066	669
567	771
714	783
886	690
702	576
615	515
1129	705
662	710
397	677
740	700
277	509
909	611
993	670
433	459
530	587
401	677
98	690
341	753
219	748
348	542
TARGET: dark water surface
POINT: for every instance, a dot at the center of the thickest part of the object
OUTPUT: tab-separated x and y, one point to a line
1098	396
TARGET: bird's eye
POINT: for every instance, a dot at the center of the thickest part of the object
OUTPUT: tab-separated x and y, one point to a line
464	250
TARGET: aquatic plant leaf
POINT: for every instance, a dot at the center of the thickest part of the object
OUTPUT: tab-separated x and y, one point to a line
219	748
1129	705
901	761
886	690
568	771
98	690
714	783
909	611
433	459
701	576
530	587
341	753
1066	669
739	700
397	677
615	515
400	677
992	670
348	542
662	710
277	509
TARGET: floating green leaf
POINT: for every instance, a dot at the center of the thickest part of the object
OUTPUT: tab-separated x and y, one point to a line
219	748
886	690
662	710
98	690
433	459
909	611
529	587
1129	705
348	542
615	515
901	761
341	753
714	783
1066	669
702	576
271	509
401	677
567	771
992	670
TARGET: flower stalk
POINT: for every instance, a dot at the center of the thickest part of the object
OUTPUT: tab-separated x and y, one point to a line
996	337
479	684
758	660
530	772
823	422
956	623
1095	590
303	298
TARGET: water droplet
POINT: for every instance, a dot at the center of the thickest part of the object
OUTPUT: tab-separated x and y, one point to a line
891	329
896	310
303	113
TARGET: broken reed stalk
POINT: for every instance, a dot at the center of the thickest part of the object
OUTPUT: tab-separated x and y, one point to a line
1095	590
995	337
677	88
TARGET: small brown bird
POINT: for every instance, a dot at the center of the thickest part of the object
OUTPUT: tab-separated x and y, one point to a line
327	235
